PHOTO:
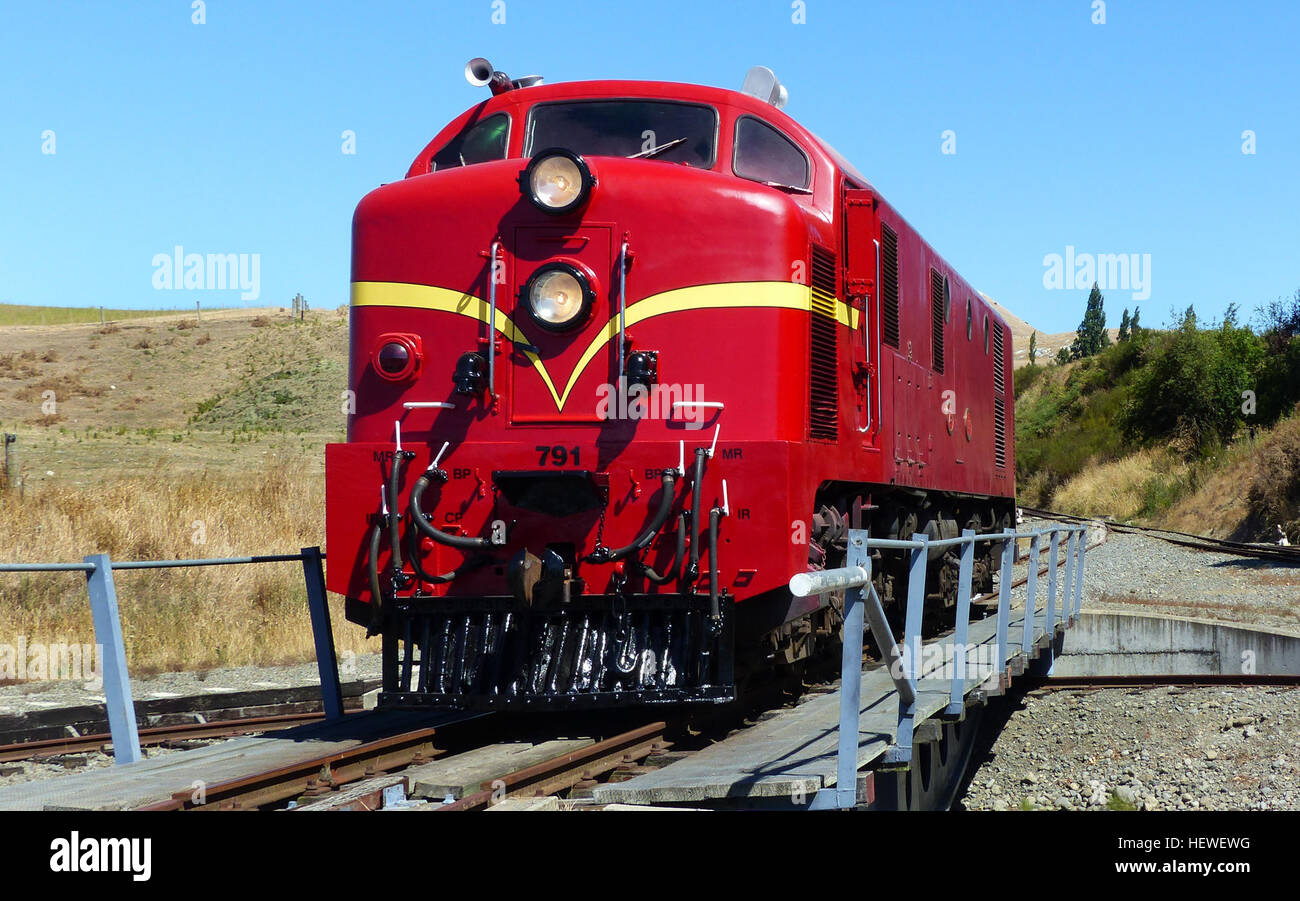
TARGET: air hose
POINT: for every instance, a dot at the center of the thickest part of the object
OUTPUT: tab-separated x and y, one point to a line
674	565
394	516
461	542
608	555
417	564
376	595
714	609
697	521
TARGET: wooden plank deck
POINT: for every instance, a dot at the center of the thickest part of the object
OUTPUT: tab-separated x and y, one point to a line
794	752
156	778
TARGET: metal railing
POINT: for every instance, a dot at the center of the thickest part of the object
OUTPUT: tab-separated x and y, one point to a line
108	631
903	661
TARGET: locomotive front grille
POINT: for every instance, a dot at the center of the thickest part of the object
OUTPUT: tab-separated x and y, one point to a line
492	653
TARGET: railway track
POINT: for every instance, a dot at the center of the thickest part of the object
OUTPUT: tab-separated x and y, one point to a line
1289	555
154	737
79	730
1232	680
370	768
566	771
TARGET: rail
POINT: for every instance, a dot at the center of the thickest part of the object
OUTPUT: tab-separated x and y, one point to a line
903	661
108	631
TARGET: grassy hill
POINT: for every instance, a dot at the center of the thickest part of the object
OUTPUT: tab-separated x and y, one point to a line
20	314
170	438
1193	428
216	395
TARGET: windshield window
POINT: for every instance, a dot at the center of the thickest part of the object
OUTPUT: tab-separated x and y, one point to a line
764	154
480	143
626	128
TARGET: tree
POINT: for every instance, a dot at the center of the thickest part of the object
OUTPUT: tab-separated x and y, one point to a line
1033	347
1091	335
1280	320
1189	391
1133	326
1063	355
1124	326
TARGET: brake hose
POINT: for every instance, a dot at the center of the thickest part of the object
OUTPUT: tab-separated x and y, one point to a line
461	542
608	555
674	565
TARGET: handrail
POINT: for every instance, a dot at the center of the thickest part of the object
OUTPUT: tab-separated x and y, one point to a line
862	603
99	568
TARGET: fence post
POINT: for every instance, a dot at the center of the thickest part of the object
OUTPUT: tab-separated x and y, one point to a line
1067	594
11	463
117	682
1004	594
1078	575
901	752
846	781
1049	615
326	661
957	690
1031	597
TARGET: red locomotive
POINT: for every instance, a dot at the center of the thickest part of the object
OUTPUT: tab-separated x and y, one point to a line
626	356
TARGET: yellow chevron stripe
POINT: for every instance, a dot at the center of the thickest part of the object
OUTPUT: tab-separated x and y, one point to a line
727	295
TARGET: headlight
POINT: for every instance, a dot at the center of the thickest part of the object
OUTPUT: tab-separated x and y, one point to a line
557	181
559	297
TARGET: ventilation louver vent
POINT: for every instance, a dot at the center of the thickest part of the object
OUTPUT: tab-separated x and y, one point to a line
999	399
999	433
936	318
823	396
889	285
999	376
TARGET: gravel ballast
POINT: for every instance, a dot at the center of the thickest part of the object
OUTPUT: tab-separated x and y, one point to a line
1170	748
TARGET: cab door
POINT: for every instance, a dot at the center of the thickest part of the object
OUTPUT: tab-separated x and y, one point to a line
861	259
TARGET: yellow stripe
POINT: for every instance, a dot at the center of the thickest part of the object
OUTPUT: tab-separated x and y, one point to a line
728	295
429	297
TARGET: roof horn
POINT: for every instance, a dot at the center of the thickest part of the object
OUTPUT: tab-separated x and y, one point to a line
479	72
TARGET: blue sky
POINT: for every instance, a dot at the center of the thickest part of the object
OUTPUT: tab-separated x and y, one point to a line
225	137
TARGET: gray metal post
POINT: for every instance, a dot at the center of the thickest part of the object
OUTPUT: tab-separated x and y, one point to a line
1078	575
117	683
901	752
1031	597
1067	595
846	779
1004	593
1049	615
957	691
326	661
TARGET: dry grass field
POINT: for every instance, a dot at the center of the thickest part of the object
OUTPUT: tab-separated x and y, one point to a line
1242	493
172	438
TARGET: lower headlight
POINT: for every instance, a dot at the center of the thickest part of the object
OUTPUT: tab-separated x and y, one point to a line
559	297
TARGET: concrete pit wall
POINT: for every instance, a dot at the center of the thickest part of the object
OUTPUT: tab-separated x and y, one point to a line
1122	644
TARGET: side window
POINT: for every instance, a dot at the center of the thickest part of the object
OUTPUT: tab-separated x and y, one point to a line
480	143
970	320
764	154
